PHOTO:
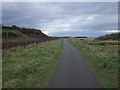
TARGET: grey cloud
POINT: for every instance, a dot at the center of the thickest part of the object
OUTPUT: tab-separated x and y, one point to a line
75	16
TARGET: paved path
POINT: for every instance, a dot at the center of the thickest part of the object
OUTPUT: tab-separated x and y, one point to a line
72	71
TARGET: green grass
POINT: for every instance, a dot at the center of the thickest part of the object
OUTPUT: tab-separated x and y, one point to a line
102	60
32	66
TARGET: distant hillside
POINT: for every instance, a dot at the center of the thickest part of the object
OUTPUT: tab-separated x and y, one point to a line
113	36
15	31
16	36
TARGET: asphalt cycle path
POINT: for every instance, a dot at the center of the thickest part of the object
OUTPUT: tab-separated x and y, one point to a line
72	71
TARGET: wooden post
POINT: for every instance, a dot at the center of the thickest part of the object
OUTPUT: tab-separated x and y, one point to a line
7	41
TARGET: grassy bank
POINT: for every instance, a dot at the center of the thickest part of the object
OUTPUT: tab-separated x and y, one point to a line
13	36
32	66
102	60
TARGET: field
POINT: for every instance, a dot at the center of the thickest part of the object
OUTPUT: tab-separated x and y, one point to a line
31	66
102	60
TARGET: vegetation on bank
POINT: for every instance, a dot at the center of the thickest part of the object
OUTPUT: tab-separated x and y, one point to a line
113	36
31	66
102	60
15	36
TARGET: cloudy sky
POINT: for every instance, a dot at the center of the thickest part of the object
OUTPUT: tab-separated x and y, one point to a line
90	19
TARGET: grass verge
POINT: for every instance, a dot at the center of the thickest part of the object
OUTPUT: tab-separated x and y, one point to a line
32	66
102	61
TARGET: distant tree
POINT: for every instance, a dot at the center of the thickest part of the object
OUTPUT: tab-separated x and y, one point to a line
81	37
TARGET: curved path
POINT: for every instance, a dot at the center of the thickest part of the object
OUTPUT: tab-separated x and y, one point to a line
72	71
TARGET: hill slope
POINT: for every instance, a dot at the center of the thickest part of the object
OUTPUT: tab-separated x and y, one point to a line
16	36
113	36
